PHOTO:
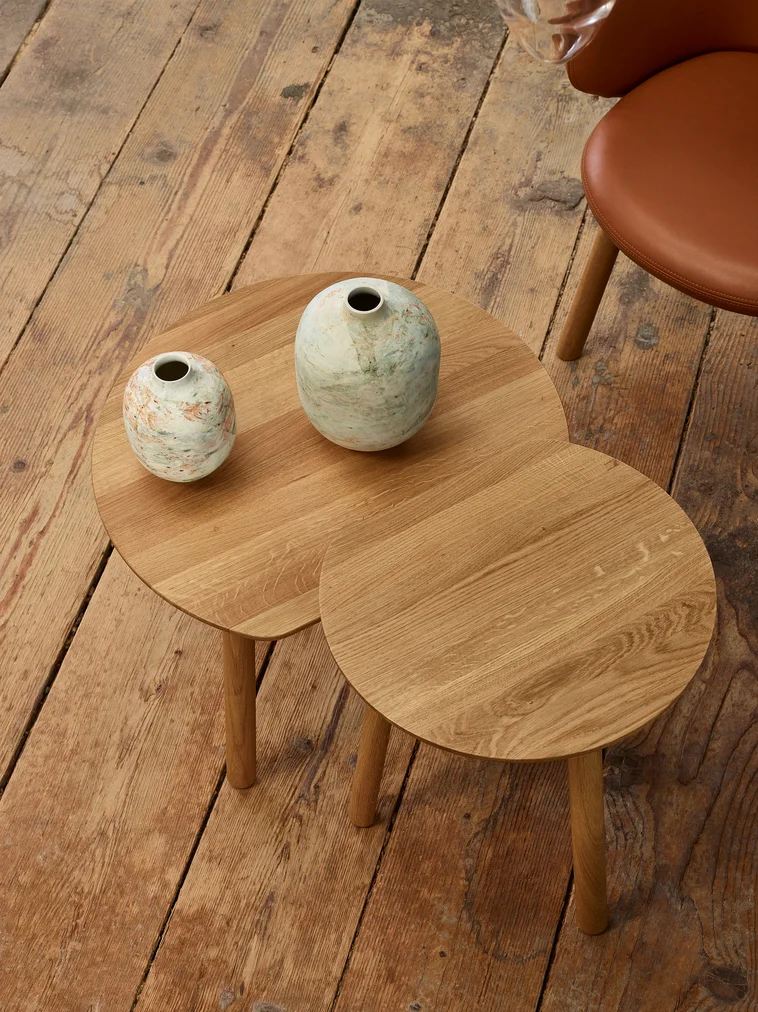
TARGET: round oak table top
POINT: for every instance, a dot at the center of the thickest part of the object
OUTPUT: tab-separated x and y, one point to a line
242	548
540	605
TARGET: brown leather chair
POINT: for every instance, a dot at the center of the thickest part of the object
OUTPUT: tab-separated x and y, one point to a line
671	172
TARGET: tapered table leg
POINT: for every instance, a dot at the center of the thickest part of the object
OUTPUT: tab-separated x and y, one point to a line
585	776
588	297
367	778
239	707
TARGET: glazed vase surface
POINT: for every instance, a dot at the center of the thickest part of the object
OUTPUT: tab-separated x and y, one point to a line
367	359
179	416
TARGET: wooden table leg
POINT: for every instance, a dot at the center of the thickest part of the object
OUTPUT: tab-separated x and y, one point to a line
239	707
585	776
588	297
367	778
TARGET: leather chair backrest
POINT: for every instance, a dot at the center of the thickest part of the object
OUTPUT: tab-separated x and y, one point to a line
641	37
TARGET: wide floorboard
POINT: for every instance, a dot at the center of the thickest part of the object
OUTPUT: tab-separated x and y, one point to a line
153	156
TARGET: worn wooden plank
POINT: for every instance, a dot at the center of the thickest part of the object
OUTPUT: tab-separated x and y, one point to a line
532	941
66	107
457	916
220	935
369	170
19	17
181	254
506	232
521	287
682	798
276	888
164	234
490	907
629	393
275	958
99	820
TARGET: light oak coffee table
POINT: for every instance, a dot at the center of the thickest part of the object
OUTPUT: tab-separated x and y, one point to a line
242	548
540	605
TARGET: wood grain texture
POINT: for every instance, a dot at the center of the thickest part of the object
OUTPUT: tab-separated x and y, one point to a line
466	902
509	254
19	17
682	797
587	298
505	235
239	709
483	891
544	604
629	393
367	779
156	276
369	170
242	549
585	778
282	978
66	109
102	811
268	911
164	234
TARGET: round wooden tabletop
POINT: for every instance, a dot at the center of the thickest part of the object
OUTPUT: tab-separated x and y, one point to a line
541	605
242	548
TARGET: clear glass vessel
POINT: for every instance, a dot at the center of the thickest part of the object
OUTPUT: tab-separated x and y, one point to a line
554	30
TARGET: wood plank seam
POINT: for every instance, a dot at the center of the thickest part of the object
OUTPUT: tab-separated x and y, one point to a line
409	766
556	938
562	927
564	282
285	161
25	42
691	887
365	902
461	153
672	478
40	304
543	348
193	849
545	342
459	159
180	882
377	869
62	259
6	774
690	407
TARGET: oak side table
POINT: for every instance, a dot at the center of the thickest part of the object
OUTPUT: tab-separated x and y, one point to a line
539	606
241	549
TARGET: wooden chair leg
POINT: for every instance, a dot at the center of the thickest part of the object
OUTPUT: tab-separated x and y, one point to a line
587	299
239	708
367	778
585	777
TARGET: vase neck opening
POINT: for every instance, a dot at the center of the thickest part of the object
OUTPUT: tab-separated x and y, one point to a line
171	368
363	300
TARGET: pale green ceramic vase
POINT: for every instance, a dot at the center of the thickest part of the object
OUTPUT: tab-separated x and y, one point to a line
367	358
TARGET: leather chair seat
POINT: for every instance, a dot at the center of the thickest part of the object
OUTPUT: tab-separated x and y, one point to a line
671	173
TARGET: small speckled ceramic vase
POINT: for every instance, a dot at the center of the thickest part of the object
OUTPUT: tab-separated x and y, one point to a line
367	358
179	416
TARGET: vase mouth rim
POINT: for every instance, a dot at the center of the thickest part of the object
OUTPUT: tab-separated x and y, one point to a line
364	300
171	367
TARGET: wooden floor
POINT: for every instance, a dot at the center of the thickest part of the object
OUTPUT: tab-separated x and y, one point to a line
157	154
